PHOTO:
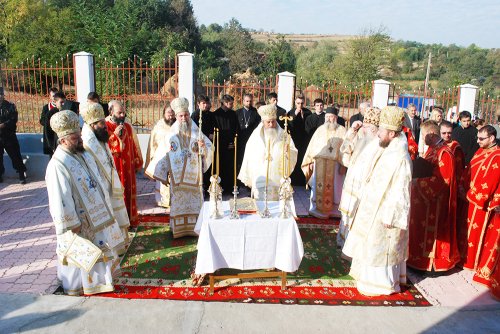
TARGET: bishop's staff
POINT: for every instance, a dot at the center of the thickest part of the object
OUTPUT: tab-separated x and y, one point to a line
285	190
200	157
286	142
266	213
214	189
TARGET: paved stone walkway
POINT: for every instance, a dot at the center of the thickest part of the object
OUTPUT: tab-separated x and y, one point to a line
28	258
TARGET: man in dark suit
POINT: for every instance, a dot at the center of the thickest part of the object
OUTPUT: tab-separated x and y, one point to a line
360	115
248	120
94	97
466	136
316	119
413	121
43	118
340	119
203	106
272	98
50	137
8	138
300	138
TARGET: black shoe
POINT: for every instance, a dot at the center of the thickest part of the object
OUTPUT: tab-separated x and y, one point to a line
22	177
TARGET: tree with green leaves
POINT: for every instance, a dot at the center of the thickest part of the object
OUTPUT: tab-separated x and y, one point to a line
279	57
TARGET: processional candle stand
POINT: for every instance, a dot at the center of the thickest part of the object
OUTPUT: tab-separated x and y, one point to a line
215	190
234	211
286	189
266	213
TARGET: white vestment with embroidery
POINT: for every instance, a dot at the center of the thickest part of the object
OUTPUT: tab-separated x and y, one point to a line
180	166
77	200
106	165
254	166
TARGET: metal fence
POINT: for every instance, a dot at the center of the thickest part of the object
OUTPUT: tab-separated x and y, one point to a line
27	85
237	89
346	97
485	107
143	88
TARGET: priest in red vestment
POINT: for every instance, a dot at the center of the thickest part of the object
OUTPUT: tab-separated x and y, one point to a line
126	152
412	144
446	128
483	218
433	244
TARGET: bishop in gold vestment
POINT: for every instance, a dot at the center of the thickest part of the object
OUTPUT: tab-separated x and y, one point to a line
322	167
158	144
183	168
381	221
358	149
267	140
88	236
95	141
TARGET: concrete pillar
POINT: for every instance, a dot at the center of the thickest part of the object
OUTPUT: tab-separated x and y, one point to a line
83	65
380	93
467	100
286	90
186	78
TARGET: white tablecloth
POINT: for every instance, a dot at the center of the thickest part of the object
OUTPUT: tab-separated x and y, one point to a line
248	243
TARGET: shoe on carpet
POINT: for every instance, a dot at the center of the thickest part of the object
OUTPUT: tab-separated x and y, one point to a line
22	177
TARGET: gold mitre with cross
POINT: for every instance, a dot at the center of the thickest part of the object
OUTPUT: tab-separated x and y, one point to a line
267	112
391	118
92	112
180	104
372	116
65	122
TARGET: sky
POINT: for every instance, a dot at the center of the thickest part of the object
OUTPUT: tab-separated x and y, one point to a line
440	21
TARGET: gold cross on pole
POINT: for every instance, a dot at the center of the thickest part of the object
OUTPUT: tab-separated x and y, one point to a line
286	119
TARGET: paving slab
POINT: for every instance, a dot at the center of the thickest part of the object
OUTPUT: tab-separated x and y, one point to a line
28	279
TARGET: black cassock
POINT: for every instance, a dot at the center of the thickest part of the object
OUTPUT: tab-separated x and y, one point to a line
227	123
301	139
313	122
467	138
248	120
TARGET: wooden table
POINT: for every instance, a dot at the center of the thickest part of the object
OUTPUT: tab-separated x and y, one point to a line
248	243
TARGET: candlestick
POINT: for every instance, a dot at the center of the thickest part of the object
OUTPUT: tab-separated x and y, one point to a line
268	160
213	151
288	167
283	166
217	167
235	152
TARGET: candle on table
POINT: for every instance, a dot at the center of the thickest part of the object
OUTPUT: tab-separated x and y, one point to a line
288	168
235	151
213	151
283	166
268	160
217	170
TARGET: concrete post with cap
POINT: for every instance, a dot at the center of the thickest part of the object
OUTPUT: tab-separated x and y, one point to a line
286	90
380	94
186	78
467	98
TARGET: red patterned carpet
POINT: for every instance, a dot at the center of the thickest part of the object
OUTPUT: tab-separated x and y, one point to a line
158	266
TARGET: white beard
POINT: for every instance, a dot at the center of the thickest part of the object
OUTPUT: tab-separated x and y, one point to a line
270	134
185	134
330	126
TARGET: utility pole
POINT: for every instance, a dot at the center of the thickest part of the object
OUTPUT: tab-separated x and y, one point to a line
426	84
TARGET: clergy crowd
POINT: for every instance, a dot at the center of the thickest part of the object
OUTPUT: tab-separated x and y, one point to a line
407	191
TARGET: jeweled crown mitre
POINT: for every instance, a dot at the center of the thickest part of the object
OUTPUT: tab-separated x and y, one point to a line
92	112
267	112
372	116
391	118
180	104
65	122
